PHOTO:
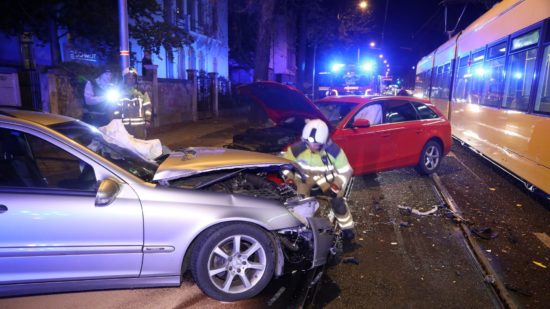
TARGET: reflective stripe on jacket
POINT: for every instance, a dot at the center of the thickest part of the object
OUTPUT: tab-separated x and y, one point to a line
135	110
326	167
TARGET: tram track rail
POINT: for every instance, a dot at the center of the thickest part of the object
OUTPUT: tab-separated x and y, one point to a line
499	291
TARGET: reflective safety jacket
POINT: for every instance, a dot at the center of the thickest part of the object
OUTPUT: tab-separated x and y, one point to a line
327	168
135	108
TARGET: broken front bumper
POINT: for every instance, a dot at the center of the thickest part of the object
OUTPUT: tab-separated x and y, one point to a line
304	248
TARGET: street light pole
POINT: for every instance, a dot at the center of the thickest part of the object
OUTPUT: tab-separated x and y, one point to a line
123	34
385	18
313	77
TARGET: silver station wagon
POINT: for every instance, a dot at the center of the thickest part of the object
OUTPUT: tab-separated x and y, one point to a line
80	213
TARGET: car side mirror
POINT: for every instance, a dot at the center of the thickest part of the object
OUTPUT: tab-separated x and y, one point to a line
361	123
107	192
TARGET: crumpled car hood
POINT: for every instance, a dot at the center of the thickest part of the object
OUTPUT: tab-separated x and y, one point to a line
196	160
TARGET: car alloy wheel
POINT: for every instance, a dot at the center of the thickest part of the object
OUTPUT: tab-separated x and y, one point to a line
237	263
233	261
430	158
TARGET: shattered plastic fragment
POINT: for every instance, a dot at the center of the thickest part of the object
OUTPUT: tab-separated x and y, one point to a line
492	189
393	243
417	212
350	260
539	264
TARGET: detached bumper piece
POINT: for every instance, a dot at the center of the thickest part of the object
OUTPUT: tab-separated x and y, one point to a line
323	240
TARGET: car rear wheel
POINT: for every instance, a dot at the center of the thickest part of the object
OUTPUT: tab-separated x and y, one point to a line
430	158
233	261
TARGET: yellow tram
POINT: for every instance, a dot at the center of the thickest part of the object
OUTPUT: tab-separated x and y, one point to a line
492	80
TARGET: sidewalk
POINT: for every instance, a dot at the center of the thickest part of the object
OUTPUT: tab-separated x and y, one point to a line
207	132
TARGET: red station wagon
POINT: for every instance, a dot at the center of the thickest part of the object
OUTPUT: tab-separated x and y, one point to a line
376	133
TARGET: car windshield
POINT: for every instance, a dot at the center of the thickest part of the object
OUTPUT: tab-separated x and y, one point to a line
94	140
335	111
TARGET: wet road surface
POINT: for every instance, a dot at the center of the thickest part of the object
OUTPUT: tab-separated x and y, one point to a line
405	259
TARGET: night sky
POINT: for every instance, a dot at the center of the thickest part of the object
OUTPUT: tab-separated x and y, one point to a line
414	28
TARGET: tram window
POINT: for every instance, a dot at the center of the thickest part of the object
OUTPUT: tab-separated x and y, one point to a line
526	40
542	104
479	56
497	50
519	79
462	84
427	75
446	81
493	74
437	83
475	91
463	61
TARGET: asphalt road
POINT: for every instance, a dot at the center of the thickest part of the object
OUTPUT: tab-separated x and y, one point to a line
410	260
400	259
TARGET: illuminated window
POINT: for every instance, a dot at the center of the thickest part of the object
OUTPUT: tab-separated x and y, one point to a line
526	40
519	78
542	103
494	82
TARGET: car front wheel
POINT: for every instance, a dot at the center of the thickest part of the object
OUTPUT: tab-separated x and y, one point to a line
233	261
430	158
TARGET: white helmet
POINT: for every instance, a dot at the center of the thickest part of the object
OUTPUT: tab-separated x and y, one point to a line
315	132
129	70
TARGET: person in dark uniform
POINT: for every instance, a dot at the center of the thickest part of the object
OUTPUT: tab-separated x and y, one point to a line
97	109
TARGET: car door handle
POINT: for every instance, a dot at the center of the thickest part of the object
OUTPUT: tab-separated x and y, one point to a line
419	131
386	135
3	209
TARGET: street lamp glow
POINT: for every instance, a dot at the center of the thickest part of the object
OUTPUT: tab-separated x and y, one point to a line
381	56
372	44
385	61
363	5
367	66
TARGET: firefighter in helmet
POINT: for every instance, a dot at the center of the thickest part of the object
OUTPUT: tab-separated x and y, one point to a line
327	170
135	106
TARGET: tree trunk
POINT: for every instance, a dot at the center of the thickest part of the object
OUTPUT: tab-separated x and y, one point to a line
302	49
263	43
55	50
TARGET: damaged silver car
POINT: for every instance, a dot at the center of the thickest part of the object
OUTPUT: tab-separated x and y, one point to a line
80	213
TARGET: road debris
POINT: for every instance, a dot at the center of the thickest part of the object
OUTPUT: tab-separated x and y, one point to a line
276	296
405	224
409	210
514	288
539	264
350	260
544	238
484	233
